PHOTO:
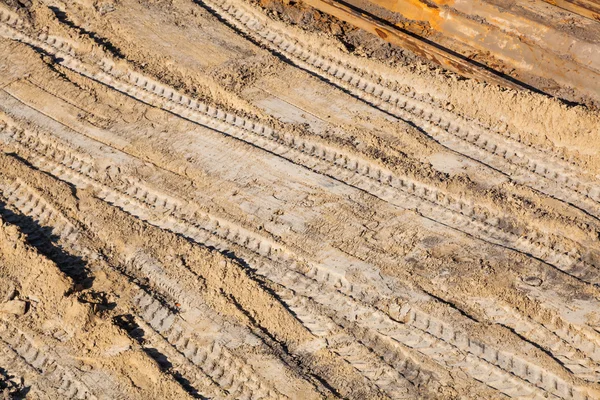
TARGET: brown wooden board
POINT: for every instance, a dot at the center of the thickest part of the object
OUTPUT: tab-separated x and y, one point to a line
586	8
417	45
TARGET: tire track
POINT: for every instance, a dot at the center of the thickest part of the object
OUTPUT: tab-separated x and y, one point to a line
42	361
138	265
228	371
555	177
360	354
145	194
187	220
171	221
369	366
576	352
27	202
530	372
411	327
32	379
173	339
401	191
198	384
500	369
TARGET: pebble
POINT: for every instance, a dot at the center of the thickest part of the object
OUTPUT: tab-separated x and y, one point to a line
16	307
532	281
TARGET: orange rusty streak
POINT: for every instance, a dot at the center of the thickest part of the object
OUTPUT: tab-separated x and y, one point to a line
413	9
436	54
586	8
514	50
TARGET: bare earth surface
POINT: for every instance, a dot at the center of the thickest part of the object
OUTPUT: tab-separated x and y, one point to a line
203	200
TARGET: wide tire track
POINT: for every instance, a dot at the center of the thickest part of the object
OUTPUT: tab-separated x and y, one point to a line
418	332
400	191
175	225
555	176
26	201
41	360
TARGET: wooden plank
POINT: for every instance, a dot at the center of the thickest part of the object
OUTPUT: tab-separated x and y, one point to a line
409	41
586	8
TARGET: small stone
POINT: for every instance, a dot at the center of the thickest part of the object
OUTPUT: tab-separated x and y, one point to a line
10	293
335	29
532	281
16	307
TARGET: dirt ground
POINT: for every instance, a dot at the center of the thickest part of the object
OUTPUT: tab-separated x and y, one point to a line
250	200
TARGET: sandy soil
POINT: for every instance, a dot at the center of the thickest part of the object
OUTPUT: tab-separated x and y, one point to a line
209	200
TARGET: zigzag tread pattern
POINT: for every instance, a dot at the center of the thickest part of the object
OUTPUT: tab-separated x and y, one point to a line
408	338
468	137
482	223
175	222
62	379
231	374
577	354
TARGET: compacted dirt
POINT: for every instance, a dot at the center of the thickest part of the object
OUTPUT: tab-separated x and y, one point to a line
207	199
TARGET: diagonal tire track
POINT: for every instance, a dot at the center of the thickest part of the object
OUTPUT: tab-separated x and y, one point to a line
179	225
425	334
501	152
400	191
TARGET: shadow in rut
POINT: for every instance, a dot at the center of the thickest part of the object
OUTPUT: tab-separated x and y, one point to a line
127	323
62	17
12	388
46	243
